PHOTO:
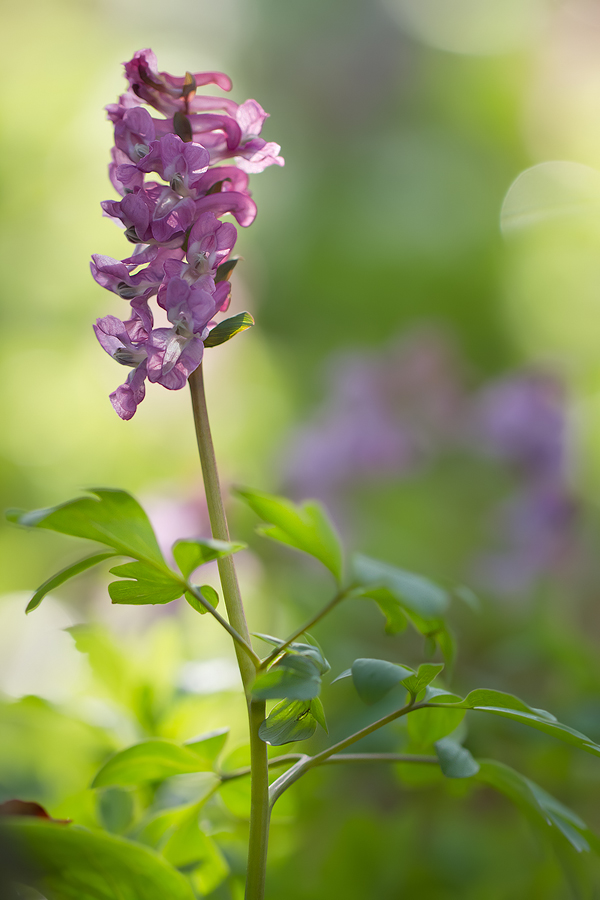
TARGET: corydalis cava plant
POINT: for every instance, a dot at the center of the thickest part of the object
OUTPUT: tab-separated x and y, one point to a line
182	250
185	250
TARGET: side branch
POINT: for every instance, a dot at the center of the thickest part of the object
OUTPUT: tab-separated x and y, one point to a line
309	762
239	640
341	595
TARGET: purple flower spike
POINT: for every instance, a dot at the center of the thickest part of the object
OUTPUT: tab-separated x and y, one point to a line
174	223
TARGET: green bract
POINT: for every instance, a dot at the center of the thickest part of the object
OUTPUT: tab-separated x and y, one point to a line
294	677
228	328
291	721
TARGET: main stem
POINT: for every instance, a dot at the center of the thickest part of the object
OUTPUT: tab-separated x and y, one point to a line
259	813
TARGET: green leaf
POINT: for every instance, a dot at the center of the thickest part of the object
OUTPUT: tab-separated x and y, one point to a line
501	704
316	708
208	746
427	672
111	517
208	593
72	863
414	592
189	554
455	761
305	527
426	726
228	328
288	722
374	678
64	575
293	677
545	811
152	760
149	585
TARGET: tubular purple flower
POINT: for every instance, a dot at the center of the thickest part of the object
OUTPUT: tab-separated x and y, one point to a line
116	276
135	132
181	164
172	357
165	92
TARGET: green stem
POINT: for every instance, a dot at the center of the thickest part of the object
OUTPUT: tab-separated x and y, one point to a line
259	812
218	524
277	761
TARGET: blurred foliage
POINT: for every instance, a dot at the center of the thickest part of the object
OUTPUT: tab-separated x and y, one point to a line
400	146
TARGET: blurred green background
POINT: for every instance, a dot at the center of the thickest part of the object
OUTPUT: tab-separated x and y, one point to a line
393	323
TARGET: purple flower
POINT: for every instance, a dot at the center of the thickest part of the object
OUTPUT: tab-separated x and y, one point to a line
181	164
116	276
172	357
180	242
209	244
153	214
165	92
134	133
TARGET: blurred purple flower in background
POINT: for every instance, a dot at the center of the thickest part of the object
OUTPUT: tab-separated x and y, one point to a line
384	416
389	415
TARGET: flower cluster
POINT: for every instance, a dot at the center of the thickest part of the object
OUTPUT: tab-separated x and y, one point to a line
182	249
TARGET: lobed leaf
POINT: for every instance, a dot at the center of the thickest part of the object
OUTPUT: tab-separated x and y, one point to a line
68	572
190	554
152	760
294	677
228	328
374	678
110	516
501	704
455	760
305	527
72	862
289	721
147	585
398	592
208	746
545	811
416	683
